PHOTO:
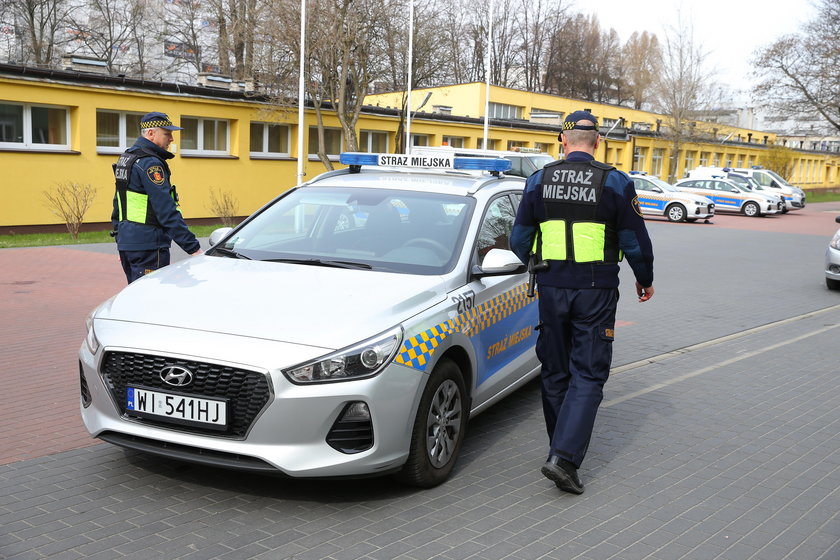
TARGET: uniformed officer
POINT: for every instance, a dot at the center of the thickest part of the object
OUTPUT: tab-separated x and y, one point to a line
147	216
577	219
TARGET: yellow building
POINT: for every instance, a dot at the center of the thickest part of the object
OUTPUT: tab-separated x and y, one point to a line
58	127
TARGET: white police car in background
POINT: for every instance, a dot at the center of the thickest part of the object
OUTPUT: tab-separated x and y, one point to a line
730	197
792	197
832	261
349	327
658	198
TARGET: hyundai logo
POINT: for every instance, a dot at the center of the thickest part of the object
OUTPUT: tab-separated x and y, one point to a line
176	375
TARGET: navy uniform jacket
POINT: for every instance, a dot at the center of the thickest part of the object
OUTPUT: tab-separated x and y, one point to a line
618	205
132	236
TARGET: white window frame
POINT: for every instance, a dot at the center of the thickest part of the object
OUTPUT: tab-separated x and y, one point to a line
265	128
313	130
458	139
656	158
492	142
125	139
417	137
199	150
27	143
505	111
369	147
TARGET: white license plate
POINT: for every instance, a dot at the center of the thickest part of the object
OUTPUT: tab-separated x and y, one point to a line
180	409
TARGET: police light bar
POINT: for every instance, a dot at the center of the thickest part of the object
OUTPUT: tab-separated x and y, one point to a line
442	161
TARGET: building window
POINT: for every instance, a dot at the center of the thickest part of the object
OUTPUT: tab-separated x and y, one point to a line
639	158
269	140
543	148
641	126
716	161
704	159
116	130
442	109
419	140
332	142
689	160
656	161
502	111
512	145
492	144
741	160
373	142
453	141
27	126
608	123
205	136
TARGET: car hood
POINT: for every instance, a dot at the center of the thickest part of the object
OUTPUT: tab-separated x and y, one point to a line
298	304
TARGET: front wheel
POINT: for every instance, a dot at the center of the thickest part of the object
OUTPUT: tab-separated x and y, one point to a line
439	428
676	213
751	209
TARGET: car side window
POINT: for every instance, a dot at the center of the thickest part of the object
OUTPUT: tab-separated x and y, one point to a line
641	185
495	227
516	167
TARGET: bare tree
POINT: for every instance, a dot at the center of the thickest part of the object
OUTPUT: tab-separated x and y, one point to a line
70	201
640	57
540	21
38	25
800	71
237	23
104	28
682	89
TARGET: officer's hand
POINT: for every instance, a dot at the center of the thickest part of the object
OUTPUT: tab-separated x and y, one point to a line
199	252
644	293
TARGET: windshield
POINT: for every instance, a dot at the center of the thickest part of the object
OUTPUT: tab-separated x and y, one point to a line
741	181
662	184
353	227
539	161
778	177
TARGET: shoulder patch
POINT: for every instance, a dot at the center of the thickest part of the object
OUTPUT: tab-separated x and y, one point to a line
636	206
156	175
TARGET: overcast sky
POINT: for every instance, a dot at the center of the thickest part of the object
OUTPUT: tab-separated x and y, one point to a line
729	30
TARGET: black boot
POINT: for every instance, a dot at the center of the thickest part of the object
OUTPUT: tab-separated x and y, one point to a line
563	473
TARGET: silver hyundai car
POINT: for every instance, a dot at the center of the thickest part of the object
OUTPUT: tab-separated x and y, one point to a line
350	327
832	261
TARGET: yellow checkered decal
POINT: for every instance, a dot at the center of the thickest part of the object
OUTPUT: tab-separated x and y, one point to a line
155	124
417	351
568	125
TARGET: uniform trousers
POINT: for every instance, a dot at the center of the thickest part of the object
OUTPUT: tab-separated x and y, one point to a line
575	348
139	263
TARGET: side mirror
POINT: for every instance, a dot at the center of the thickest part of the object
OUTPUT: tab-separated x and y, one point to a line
656	189
733	189
837	219
499	262
219	234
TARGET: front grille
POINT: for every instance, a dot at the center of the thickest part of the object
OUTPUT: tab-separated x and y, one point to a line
247	391
85	392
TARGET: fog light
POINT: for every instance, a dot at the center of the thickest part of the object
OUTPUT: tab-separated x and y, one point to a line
353	431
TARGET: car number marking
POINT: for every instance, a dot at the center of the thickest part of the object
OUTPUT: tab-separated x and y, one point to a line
154	404
464	302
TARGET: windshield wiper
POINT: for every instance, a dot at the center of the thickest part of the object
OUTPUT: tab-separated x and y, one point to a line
319	262
230	253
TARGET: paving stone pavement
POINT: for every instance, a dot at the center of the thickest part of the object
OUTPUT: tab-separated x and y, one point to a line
719	437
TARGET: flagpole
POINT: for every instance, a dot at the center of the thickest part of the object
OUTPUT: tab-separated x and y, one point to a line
301	152
488	62
407	143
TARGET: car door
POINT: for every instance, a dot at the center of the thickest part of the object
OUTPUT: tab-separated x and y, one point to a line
503	317
724	197
650	201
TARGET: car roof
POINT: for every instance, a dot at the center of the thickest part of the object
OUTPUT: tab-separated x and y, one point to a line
457	182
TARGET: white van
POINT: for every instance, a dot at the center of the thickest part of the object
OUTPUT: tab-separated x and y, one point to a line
740	179
793	195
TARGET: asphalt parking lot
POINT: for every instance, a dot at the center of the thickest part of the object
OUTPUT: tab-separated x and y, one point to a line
719	436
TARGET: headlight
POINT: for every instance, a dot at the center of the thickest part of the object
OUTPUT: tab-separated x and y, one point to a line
835	243
365	359
90	340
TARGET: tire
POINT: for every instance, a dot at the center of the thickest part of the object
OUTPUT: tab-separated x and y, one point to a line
435	444
691	220
832	284
751	209
676	213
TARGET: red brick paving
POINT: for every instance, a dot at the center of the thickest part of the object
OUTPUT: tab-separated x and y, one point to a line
46	293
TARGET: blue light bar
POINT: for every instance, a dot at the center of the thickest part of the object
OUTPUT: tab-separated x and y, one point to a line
483	164
358	158
424	161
